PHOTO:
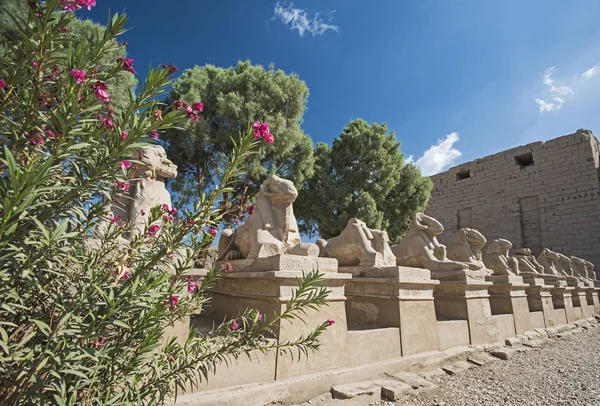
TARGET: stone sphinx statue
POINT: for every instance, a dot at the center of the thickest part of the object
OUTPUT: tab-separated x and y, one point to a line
497	259
579	268
591	270
527	262
466	248
564	265
359	245
146	190
547	259
420	248
271	229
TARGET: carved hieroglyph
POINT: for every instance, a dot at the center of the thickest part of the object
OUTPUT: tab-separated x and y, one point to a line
547	259
420	248
147	189
359	245
527	262
466	248
271	229
497	259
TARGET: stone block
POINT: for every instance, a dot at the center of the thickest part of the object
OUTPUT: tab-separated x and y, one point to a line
456	368
283	262
352	390
413	380
394	390
504	353
542	332
512	341
534	343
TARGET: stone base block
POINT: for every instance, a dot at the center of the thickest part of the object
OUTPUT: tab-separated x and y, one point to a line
459	276
574	282
507	296
505	324
562	298
468	300
560	316
403	272
453	333
283	262
593	299
537	319
268	291
401	302
361	348
554	280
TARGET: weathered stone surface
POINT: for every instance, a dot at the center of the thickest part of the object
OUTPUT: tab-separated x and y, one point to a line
548	258
551	331
421	249
512	341
359	245
496	258
271	230
413	380
542	332
534	343
504	353
394	390
456	368
466	248
532	335
527	263
351	390
283	262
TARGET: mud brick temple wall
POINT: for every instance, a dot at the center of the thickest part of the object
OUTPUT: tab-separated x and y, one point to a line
543	194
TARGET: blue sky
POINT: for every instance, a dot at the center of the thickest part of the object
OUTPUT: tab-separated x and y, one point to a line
455	79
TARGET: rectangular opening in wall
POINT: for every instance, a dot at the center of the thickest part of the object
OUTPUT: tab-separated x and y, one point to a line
464	174
524	160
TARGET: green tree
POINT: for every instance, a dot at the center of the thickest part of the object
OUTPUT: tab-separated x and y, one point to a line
361	175
14	13
232	97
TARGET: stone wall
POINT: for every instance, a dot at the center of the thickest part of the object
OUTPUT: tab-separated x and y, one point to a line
544	194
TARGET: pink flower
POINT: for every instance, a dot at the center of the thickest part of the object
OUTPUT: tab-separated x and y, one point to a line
199	107
2	84
213	231
261	130
152	230
251	209
154	134
260	316
125	164
234	326
37	139
124	135
124	275
127	64
79	74
168	217
36	64
227	267
108	124
191	287
123	185
194	117
177	104
72	5
158	115
63	29
173	358
269	138
188	109
115	220
50	134
330	322
171	68
101	91
173	300
99	342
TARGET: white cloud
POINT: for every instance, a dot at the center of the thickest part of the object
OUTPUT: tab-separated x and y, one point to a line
439	156
302	21
591	72
557	94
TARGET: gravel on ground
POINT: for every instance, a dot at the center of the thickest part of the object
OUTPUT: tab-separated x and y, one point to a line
564	371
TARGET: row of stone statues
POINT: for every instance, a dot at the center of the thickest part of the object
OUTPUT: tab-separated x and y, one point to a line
272	230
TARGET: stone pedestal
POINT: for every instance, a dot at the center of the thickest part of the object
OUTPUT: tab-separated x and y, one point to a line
284	262
268	290
539	298
394	297
554	280
574	282
580	300
507	296
562	299
467	300
593	299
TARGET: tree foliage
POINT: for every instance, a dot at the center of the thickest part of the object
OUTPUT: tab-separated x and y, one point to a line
361	175
83	318
85	31
232	97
